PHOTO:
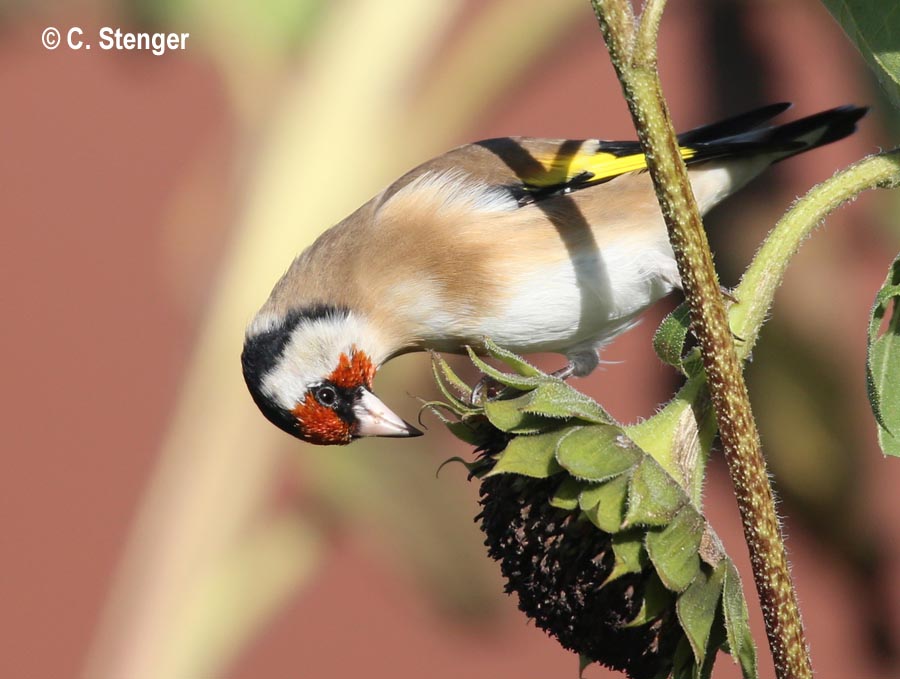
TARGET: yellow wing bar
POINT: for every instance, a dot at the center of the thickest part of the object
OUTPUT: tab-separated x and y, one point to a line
591	166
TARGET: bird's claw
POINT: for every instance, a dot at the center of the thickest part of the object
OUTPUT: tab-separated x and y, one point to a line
486	389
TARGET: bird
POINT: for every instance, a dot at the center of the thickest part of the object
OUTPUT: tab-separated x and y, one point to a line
541	245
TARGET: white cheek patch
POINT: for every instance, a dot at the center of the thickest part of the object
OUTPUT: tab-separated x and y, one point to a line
314	352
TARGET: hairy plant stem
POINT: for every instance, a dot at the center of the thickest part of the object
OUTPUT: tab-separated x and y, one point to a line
633	55
764	275
658	435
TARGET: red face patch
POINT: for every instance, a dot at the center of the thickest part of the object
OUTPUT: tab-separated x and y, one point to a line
322	425
355	371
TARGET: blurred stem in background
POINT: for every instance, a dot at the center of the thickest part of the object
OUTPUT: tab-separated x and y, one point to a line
211	557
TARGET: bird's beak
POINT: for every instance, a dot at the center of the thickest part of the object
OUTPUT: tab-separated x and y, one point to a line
373	418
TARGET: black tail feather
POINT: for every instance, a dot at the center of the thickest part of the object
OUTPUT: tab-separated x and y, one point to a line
815	130
731	127
743	136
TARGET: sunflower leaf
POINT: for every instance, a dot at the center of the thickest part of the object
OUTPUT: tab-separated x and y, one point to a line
604	504
875	30
674	549
508	415
696	608
597	453
558	399
517	363
533	456
883	363
654	497
504	378
737	622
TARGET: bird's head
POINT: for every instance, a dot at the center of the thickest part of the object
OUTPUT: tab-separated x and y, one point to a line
311	371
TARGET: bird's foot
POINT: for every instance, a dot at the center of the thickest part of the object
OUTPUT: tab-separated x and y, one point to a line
488	388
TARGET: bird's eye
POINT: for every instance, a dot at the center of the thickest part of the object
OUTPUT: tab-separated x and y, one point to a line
326	395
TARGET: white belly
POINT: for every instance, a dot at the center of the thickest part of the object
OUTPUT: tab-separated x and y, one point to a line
575	306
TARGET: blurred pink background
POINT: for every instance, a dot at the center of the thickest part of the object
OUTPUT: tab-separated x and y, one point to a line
108	271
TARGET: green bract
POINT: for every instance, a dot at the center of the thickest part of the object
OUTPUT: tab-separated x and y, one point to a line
652	543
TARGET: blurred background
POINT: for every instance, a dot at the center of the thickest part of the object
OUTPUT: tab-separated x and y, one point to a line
154	525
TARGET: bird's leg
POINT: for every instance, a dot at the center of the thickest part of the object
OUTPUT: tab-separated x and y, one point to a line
564	373
488	388
582	362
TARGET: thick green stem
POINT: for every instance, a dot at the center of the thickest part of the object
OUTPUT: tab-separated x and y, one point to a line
763	276
648	29
737	429
658	434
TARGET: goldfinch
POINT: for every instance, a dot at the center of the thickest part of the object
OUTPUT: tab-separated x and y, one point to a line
543	245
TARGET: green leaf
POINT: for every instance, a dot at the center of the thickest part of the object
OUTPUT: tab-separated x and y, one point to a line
517	363
597	453
470	428
654	497
680	435
604	504
558	399
566	495
504	378
533	456
508	415
630	554
883	363
657	599
640	501
697	607
673	550
444	376
471	467
716	641
671	335
737	622
683	664
874	27
464	432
